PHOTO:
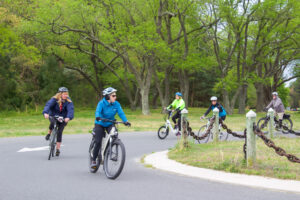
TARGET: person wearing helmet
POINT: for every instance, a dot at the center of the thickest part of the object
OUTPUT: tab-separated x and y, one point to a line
178	104
107	108
215	104
278	106
60	105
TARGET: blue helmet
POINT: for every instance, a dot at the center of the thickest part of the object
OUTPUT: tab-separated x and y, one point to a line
179	94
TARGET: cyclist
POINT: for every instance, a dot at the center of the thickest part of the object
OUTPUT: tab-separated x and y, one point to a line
107	108
60	105
215	104
178	104
278	106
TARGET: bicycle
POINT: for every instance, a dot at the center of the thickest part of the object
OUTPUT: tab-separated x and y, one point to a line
286	123
53	135
112	151
163	131
222	135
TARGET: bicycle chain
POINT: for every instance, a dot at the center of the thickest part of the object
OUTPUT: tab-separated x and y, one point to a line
196	137
271	144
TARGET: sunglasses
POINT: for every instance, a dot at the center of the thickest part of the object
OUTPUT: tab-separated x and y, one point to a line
114	95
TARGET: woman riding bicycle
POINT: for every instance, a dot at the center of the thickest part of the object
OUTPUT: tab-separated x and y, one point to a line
215	104
60	105
107	108
278	106
178	104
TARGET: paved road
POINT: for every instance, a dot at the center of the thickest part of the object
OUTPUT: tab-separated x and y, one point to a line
30	176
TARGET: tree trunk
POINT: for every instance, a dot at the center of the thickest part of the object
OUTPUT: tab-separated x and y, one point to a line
184	85
260	97
226	101
145	101
242	99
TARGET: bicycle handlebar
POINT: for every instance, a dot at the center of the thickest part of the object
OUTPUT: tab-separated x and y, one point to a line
108	120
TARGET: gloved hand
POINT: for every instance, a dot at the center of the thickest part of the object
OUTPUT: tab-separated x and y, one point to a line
202	117
127	124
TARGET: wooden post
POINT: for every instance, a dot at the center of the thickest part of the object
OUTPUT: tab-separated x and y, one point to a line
251	139
271	123
215	129
184	131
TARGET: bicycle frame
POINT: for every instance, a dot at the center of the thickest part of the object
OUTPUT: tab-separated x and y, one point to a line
168	123
108	139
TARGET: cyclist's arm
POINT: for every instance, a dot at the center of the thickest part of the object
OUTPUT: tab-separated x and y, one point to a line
99	109
49	105
208	110
171	105
277	103
270	105
121	112
220	107
181	105
70	109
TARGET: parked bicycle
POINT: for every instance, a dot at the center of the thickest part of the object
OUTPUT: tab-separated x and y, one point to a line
164	130
53	136
286	122
223	135
112	151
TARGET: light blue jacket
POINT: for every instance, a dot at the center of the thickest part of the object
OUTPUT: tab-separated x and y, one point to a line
108	110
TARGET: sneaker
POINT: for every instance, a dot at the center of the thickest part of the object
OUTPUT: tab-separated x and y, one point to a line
94	165
57	152
47	136
178	133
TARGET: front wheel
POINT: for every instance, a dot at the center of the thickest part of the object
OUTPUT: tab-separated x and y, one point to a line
114	159
223	136
201	132
163	132
288	124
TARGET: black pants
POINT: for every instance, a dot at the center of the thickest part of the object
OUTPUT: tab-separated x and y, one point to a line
177	116
223	118
60	129
99	134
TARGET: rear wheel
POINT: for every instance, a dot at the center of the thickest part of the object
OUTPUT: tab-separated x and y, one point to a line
114	159
98	160
260	122
163	132
201	132
288	124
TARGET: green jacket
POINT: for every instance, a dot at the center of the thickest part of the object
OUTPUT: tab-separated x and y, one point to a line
177	104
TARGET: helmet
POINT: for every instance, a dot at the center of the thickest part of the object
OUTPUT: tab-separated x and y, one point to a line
108	91
275	93
178	94
63	89
213	98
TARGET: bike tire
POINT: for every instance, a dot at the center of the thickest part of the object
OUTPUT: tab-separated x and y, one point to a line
116	147
223	136
201	132
260	122
288	123
52	144
162	132
98	160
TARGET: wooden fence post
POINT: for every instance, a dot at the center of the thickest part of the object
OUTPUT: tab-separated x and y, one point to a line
271	123
184	131
251	139
215	129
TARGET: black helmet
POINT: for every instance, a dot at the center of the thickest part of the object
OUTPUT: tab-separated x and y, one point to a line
63	89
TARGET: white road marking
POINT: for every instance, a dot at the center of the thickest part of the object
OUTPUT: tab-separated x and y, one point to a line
25	149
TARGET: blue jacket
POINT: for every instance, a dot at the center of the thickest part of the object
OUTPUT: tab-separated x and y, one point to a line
108	110
52	108
222	111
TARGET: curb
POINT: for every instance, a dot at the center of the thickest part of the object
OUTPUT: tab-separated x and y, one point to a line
161	161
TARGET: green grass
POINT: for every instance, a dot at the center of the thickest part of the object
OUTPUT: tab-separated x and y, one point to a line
229	157
14	124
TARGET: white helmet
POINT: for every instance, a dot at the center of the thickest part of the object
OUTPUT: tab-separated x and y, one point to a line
275	93
108	91
213	98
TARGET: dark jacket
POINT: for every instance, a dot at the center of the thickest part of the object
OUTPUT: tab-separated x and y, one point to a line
52	108
108	110
222	111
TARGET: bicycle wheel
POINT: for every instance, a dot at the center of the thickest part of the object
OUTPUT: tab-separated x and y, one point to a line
287	123
114	159
223	136
98	160
52	144
201	132
163	132
260	122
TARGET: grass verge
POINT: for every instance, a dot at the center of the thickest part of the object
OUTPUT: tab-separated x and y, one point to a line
229	157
